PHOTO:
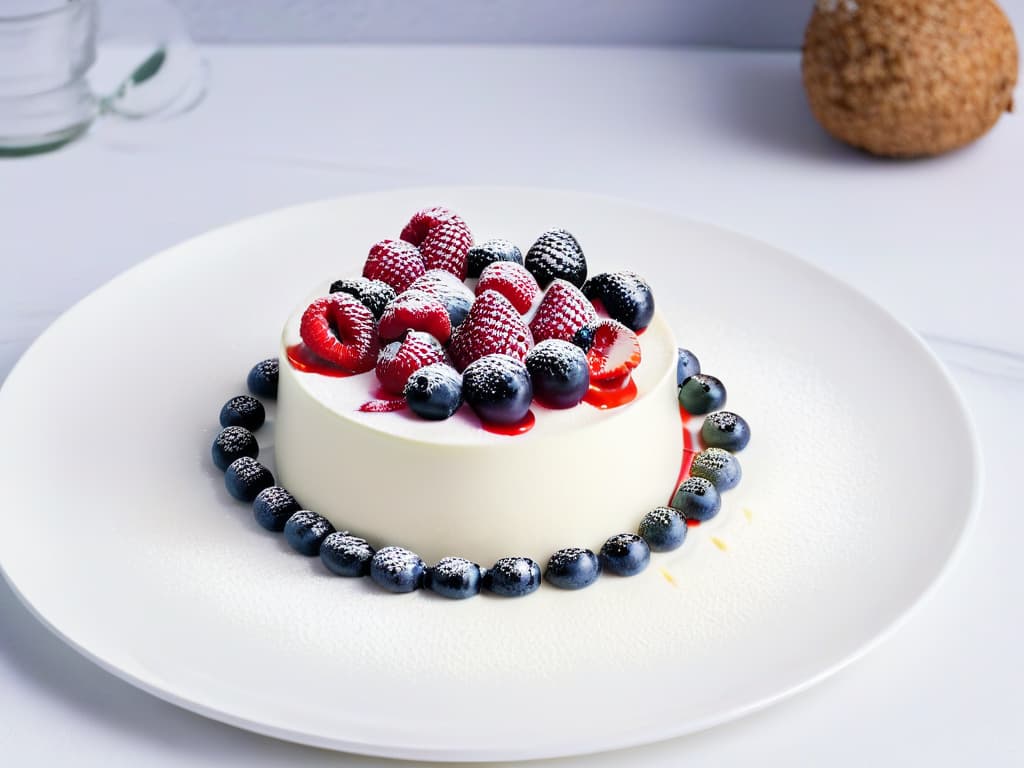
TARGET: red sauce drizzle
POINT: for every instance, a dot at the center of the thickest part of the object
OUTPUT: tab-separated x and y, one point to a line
303	359
611	393
520	427
689	451
382	406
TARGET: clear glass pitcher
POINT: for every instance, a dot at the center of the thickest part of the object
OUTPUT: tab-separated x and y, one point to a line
47	48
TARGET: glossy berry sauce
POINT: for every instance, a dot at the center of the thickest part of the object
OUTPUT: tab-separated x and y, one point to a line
302	359
383	402
521	427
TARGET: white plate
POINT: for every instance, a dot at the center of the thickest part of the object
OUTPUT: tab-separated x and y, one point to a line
860	481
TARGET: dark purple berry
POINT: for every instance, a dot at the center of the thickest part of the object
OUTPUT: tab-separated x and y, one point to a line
625	296
243	411
262	378
559	373
556	254
498	389
233	443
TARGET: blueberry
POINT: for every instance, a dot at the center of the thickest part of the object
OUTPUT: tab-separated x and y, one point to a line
625	554
696	498
725	430
584	337
557	254
233	443
243	411
489	252
262	378
434	392
246	477
449	290
573	568
664	529
687	366
346	555
306	530
498	388
375	295
513	577
559	373
626	297
273	506
700	394
397	569
718	466
453	577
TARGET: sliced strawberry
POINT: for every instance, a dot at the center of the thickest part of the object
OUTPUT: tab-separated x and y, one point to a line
614	353
415	311
512	281
394	262
493	326
424	221
563	311
401	359
340	329
446	247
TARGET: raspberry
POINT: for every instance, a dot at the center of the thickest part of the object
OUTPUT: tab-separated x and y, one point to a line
615	351
401	359
339	329
447	247
423	221
415	311
394	262
563	311
493	326
512	281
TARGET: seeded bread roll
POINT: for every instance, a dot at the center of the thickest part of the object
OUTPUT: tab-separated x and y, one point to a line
906	78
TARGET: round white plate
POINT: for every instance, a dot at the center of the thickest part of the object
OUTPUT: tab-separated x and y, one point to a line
860	480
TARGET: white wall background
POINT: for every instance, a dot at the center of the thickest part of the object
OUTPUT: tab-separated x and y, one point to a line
762	23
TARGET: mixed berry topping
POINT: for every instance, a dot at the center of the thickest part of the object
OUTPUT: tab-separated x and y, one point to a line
434	392
562	312
233	443
625	296
374	294
493	327
243	411
557	255
498	388
401	359
341	330
394	262
262	378
559	372
573	568
489	252
415	310
512	281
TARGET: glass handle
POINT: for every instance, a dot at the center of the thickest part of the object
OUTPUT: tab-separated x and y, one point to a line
171	75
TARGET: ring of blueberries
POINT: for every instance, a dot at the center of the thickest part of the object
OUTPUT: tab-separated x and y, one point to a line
714	470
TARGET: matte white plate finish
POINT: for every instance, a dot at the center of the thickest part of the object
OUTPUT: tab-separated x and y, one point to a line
860	481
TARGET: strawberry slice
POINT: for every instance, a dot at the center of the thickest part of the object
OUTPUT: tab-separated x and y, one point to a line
563	311
401	359
614	353
415	311
394	262
512	281
493	326
340	329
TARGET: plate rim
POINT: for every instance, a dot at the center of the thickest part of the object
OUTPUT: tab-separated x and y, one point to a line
555	749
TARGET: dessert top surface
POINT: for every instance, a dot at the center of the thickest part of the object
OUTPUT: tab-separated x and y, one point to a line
344	395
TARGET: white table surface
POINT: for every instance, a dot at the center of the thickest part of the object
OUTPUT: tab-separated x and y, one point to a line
720	136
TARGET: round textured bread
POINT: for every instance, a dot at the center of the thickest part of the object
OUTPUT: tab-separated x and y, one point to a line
906	78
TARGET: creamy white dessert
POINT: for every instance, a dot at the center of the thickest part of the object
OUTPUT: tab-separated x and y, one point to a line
450	487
